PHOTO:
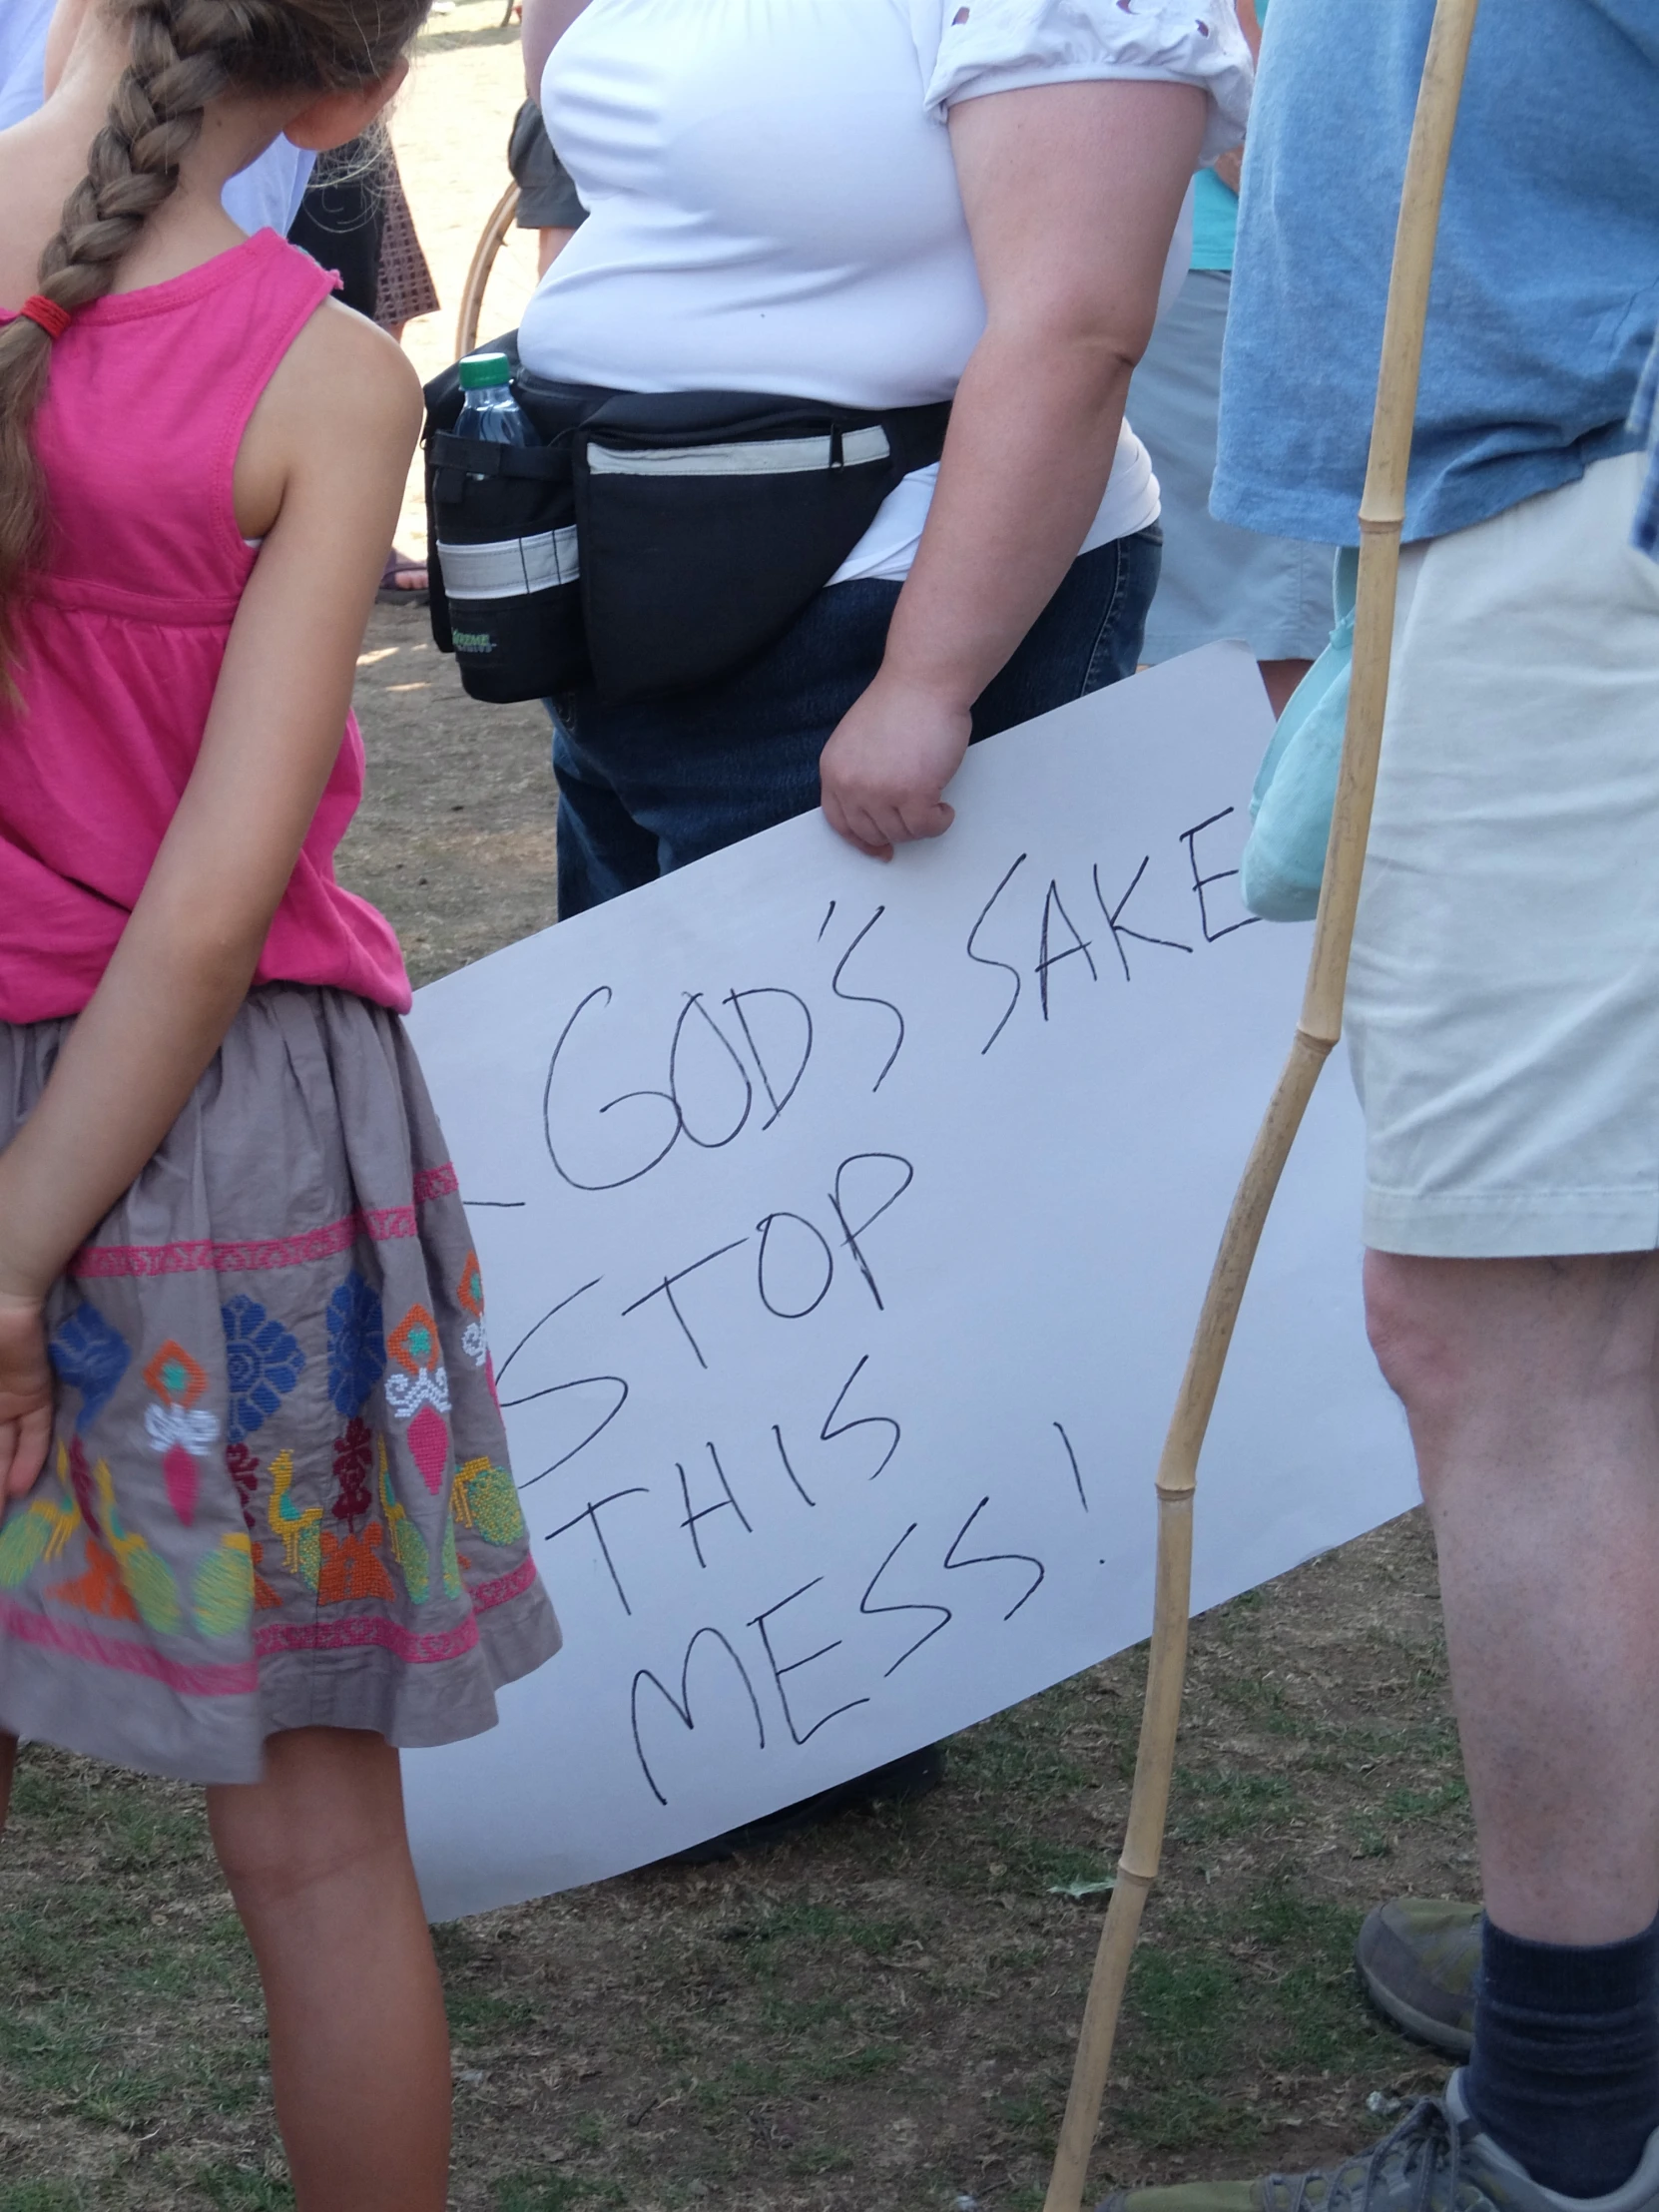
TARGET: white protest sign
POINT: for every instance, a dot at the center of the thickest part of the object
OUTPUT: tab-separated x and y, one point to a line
844	1228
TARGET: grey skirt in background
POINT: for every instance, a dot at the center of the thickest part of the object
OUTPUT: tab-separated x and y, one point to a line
1217	581
278	1495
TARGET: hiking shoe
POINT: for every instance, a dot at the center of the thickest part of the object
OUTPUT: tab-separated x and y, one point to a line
1437	2161
1418	1958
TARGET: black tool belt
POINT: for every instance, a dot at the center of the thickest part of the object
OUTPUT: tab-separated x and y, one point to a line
655	541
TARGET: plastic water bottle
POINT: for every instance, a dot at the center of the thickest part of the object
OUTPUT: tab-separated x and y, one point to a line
489	411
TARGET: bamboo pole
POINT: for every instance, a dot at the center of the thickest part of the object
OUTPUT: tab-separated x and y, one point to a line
1381	519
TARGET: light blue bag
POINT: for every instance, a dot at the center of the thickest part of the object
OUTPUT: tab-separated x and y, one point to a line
1296	789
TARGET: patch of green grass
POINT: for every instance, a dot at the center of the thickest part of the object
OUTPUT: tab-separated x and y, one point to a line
1272	1973
1451	1795
1030	2118
478	2015
41	2196
811	2159
1217	1806
235	2189
809	1925
552	2192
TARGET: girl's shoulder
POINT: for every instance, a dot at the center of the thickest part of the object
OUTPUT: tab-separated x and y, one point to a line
342	393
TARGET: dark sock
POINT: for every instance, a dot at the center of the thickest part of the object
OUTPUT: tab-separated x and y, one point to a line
1564	2075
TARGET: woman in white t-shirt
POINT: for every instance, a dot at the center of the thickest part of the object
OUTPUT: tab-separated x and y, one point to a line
878	204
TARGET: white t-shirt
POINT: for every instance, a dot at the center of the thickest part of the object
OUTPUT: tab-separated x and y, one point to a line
266	196
773	206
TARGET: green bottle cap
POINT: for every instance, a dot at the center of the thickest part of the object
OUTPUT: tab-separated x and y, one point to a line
482	371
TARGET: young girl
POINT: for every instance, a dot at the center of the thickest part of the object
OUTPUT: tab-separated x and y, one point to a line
258	1526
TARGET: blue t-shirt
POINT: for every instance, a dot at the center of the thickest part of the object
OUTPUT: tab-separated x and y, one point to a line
1546	277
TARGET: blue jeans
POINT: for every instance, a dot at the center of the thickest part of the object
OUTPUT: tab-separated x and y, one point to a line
645	787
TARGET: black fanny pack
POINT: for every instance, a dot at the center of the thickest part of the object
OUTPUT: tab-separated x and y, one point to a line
657	540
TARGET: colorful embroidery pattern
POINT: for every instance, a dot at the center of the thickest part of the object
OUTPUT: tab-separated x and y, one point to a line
264	1361
469	1293
36	1534
485	1496
505	1588
177	1429
222	1593
295	1525
408	1545
373	1629
354	1464
419	1395
320	1415
242	1466
98	1589
202	1255
352	1566
236	1679
146	1576
90	1357
357	1346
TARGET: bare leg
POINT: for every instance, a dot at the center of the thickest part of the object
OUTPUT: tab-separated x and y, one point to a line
318	1865
1531	1389
8	1762
1279	679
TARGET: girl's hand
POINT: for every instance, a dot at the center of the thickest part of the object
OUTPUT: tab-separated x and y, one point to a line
25	1394
884	770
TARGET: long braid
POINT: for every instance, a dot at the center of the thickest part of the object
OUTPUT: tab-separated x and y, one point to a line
154	118
184	54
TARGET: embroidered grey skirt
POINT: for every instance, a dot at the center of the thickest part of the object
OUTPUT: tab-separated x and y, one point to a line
278	1495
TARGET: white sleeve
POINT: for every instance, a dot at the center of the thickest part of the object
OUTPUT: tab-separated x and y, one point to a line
266	196
989	46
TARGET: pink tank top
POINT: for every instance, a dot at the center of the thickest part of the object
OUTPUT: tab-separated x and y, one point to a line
122	640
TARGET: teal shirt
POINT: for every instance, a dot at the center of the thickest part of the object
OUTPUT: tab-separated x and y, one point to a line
1215	210
1214	222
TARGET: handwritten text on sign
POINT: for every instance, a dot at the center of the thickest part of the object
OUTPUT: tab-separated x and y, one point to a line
844	1229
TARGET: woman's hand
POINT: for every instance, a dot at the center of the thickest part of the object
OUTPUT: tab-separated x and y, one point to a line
884	770
1071	193
25	1394
1229	169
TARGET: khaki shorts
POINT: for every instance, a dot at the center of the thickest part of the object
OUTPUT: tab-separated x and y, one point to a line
1503	999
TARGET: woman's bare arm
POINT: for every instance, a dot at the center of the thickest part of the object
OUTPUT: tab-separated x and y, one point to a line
545	23
1071	192
189	951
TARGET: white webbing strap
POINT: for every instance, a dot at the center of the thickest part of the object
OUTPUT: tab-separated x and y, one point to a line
747	458
510	568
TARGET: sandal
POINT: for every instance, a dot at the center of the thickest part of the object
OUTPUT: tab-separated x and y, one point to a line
393	591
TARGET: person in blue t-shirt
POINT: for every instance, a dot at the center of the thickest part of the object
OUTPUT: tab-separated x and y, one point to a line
1217	581
1504	1018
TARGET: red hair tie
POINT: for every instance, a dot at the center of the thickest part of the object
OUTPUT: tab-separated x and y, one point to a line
46	315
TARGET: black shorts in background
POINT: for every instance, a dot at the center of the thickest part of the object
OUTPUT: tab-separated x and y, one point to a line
546	197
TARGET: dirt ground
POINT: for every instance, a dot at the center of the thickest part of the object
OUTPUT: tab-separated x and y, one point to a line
879	2016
